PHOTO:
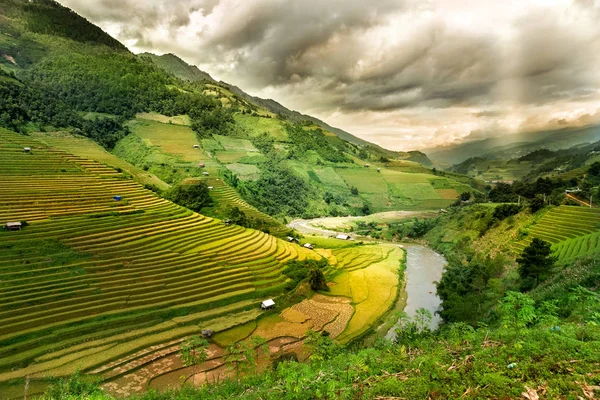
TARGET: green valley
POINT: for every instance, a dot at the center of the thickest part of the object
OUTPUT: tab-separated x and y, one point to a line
167	236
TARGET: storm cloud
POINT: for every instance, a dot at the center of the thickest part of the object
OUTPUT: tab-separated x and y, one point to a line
403	73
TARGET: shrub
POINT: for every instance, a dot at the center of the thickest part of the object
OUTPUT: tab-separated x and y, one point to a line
195	197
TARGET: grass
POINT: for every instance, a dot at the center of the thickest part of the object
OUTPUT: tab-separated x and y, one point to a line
330	178
234	144
176	140
244	171
228	157
175	120
364	179
256	126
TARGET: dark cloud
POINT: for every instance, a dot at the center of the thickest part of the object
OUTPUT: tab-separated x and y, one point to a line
493	62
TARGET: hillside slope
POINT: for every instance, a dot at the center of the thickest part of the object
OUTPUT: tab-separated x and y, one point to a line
92	279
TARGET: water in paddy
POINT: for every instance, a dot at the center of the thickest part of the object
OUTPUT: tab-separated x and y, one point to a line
424	267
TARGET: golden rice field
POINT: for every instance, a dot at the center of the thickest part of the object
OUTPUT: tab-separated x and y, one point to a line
92	281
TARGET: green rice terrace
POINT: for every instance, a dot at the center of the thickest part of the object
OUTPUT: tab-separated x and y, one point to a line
108	278
174	153
573	231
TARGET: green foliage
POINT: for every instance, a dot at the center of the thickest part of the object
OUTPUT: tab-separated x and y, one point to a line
516	312
316	279
411	329
537	203
413	229
240	357
504	211
194	351
321	347
304	140
22	104
194	197
50	18
444	364
214	121
237	216
278	192
535	263
471	289
105	131
76	386
594	169
298	271
465	196
586	309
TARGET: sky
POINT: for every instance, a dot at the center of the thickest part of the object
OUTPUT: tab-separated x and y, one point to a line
405	74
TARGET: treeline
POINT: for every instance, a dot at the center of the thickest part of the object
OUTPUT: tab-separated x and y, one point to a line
113	83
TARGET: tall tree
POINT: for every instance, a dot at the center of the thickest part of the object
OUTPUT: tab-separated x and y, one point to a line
535	263
193	353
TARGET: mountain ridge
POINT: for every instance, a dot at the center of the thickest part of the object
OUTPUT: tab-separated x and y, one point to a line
174	64
516	144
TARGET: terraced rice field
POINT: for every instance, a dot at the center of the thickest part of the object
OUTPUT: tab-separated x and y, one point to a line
573	231
84	147
92	280
370	278
176	140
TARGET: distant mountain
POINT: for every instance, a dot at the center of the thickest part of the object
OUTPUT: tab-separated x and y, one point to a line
514	146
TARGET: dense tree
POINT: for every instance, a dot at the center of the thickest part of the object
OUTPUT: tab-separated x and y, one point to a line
215	121
537	203
535	263
278	192
194	197
237	216
465	196
594	169
504	211
316	279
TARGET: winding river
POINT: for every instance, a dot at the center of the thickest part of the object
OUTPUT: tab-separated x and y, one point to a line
424	267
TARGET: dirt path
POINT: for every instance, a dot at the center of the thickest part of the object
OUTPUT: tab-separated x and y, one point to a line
583	203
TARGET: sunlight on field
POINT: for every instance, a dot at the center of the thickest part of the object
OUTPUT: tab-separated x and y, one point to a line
373	288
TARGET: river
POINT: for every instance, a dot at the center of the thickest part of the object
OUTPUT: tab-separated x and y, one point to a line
424	267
